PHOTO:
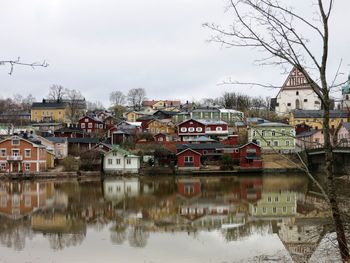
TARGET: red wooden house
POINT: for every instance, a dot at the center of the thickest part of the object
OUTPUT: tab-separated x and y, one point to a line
91	124
70	132
191	129
188	159
161	137
250	156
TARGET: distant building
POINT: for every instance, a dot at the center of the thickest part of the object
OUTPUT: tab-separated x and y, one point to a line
273	136
296	93
91	124
314	118
46	111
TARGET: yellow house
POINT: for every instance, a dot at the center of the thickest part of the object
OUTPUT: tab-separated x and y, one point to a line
48	111
132	116
161	126
50	160
314	118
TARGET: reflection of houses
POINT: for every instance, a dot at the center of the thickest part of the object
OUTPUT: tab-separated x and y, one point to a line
274	204
189	188
118	189
18	199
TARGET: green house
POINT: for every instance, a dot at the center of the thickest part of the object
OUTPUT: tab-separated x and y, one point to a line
273	137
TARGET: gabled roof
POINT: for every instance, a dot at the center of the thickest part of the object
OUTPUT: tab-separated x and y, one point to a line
94	118
117	148
189	149
199	121
34	144
56	139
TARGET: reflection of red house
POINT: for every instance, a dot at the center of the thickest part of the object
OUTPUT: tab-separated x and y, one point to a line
250	156
188	159
189	187
250	189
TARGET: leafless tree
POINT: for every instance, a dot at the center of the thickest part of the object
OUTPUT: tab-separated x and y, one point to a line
94	106
75	105
136	97
279	32
117	98
57	93
17	62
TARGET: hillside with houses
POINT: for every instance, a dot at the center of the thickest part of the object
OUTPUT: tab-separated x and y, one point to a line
149	136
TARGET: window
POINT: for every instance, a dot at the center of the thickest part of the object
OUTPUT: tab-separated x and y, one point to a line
275	143
317	102
287	143
115	154
269	199
118	188
86	120
27	153
110	161
27	167
90	125
128	161
101	126
183	129
110	189
283	132
258	142
236	150
284	210
276	198
254	133
15	152
199	129
297	93
268	143
189	189
288	104
218	128
305	100
273	133
188	159
191	129
208	129
2	152
82	125
27	201
15	142
2	166
264	210
274	210
263	133
118	161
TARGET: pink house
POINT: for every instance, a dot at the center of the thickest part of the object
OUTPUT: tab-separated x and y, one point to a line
344	134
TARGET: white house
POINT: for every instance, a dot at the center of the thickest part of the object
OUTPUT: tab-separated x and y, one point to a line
296	93
119	160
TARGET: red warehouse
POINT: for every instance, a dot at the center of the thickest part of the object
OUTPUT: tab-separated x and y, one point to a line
188	159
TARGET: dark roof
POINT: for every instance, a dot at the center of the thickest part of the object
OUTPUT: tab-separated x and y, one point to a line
145	118
172	113
318	114
61	105
199	146
69	129
83	140
206	110
307	133
56	139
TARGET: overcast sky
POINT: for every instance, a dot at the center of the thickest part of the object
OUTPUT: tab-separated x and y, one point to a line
97	46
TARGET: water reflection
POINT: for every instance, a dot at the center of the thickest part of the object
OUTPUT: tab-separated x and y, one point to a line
132	209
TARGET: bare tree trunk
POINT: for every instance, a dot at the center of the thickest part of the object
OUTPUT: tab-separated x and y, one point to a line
332	193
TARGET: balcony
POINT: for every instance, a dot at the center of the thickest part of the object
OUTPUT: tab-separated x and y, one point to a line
14	158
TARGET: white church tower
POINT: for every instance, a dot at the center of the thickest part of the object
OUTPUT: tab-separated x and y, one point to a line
296	93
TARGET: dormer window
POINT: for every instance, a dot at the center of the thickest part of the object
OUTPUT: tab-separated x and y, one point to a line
15	141
297	93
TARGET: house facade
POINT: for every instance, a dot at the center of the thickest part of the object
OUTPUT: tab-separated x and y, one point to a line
296	93
188	159
314	118
161	126
91	124
273	136
191	129
47	111
18	155
119	160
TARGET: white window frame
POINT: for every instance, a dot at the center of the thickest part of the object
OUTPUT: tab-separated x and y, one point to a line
15	150
275	143
82	125
25	153
110	161
86	120
183	129
3	152
27	167
188	159
2	166
90	125
273	133
218	128
199	129
128	161
15	144
191	129
287	143
117	161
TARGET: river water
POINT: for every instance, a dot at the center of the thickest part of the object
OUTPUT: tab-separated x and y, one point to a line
149	220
